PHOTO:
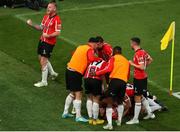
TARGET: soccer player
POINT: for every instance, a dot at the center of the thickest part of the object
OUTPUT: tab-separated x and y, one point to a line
140	61
105	52
118	67
155	104
93	86
82	57
50	27
104	49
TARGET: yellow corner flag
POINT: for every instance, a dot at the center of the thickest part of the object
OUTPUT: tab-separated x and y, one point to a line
170	35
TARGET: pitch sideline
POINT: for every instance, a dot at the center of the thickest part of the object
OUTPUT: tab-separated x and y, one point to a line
99	7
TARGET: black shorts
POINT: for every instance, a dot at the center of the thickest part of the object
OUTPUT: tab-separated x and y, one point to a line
73	81
140	86
116	89
45	49
93	86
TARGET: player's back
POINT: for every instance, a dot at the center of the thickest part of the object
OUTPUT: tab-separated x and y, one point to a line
79	60
120	68
94	67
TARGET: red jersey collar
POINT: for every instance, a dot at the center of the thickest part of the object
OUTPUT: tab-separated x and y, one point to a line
53	16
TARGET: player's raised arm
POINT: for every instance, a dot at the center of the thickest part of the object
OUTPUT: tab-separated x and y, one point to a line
35	26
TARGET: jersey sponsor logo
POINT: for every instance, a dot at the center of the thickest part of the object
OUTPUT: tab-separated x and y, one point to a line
44	52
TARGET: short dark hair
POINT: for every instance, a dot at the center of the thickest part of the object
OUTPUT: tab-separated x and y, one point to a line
117	50
93	40
53	2
100	39
136	39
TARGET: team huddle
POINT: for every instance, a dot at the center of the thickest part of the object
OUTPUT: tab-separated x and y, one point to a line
105	72
100	66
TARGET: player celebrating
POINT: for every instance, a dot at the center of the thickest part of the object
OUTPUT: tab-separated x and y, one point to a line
50	27
93	86
105	52
118	66
140	61
82	56
104	49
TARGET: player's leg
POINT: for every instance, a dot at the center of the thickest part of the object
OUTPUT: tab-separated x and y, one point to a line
95	108
137	98
77	105
49	49
145	103
148	109
95	89
68	102
109	101
44	52
127	105
51	70
89	107
120	110
69	78
43	62
120	98
44	69
109	111
89	102
102	107
73	111
153	105
137	110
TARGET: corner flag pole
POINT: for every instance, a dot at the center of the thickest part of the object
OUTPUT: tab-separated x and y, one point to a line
172	68
172	65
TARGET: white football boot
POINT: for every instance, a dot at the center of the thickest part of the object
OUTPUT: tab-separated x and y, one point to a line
40	84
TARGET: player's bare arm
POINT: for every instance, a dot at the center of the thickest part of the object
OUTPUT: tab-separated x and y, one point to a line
149	60
141	66
35	26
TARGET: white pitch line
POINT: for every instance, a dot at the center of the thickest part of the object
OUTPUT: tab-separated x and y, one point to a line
21	16
177	95
99	7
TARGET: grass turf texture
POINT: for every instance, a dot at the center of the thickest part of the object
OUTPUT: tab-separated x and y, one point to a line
24	107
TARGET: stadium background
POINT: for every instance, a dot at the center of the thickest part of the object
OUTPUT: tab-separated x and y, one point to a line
24	107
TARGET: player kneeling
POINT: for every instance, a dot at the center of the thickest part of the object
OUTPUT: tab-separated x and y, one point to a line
93	86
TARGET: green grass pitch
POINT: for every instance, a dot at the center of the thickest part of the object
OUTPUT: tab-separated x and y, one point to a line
24	107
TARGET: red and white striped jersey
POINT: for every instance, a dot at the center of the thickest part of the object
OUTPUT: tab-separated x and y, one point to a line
95	66
50	25
129	90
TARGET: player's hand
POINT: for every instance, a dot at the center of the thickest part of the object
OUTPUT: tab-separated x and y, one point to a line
29	22
131	62
45	35
93	73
